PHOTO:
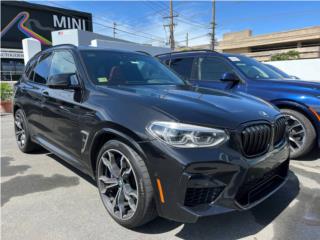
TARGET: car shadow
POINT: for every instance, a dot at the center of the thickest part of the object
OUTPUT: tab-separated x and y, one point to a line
73	169
27	184
232	225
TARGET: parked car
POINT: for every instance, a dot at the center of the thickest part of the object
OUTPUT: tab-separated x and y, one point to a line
154	144
280	72
300	100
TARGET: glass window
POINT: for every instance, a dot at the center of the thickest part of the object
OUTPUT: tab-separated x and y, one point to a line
182	66
41	71
252	68
30	67
62	63
212	69
118	68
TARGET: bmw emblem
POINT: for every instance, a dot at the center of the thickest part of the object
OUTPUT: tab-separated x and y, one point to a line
263	114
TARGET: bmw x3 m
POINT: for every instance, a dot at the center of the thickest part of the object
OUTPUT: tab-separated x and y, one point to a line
299	100
154	144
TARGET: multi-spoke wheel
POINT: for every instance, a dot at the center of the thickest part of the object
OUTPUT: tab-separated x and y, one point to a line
301	133
22	132
118	184
124	184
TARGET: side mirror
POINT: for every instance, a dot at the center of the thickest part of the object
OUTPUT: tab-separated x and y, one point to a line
230	77
63	81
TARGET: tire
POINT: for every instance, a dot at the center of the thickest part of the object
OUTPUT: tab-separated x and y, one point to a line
140	187
310	134
22	133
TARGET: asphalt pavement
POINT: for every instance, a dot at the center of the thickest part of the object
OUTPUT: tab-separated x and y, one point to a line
42	197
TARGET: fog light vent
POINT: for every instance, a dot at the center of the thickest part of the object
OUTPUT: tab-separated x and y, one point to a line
197	196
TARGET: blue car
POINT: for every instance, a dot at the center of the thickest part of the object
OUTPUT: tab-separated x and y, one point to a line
300	100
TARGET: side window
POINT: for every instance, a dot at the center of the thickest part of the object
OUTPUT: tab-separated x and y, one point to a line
212	69
41	70
183	66
29	69
62	63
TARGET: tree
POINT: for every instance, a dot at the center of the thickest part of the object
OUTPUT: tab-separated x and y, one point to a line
290	55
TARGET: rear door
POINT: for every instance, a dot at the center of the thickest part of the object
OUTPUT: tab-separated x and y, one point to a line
32	89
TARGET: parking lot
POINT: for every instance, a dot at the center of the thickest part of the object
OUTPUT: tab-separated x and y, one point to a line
43	197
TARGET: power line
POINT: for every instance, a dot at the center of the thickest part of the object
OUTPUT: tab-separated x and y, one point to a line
160	39
213	25
171	26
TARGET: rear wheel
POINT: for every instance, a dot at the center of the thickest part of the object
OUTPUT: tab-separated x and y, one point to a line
22	133
302	134
124	185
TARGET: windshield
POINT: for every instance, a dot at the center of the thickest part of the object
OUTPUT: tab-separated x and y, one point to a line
119	68
253	69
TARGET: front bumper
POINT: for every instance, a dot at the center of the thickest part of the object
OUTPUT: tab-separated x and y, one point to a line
208	181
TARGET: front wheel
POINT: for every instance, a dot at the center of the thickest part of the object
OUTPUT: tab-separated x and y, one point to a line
302	134
124	185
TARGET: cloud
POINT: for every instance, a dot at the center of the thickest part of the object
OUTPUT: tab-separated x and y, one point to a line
149	29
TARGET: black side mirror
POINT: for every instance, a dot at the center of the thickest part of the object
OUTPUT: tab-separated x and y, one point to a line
230	77
63	81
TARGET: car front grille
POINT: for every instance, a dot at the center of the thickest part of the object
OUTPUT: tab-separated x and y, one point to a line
279	130
197	196
256	139
255	189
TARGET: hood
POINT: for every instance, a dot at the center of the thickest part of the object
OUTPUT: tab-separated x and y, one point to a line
199	105
291	85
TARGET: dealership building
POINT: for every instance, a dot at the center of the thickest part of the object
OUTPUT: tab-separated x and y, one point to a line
21	20
306	41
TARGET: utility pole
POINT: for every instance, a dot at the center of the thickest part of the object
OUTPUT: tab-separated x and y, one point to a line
171	26
187	40
114	29
213	24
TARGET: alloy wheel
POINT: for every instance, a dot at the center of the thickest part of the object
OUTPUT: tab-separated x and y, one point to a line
20	130
297	133
117	184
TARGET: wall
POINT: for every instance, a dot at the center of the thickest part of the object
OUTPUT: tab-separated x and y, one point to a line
305	69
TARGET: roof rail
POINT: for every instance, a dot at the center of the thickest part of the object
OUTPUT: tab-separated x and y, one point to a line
64	45
186	51
143	52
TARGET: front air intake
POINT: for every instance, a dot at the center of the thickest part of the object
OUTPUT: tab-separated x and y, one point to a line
197	196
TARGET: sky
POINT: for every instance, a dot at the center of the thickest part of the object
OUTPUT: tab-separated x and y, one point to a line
142	21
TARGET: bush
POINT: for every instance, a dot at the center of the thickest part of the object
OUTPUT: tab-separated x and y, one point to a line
290	55
6	91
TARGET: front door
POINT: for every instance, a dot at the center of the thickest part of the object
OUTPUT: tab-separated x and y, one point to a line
62	109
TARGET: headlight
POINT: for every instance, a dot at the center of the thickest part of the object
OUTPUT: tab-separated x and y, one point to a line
186	135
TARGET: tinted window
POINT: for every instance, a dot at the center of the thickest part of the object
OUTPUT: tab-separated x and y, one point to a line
253	69
118	68
41	71
212	69
62	63
30	67
182	66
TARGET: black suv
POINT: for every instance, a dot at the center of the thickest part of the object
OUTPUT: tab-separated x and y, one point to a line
154	144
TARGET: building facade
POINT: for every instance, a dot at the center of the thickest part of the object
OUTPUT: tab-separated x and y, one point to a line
306	41
21	20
